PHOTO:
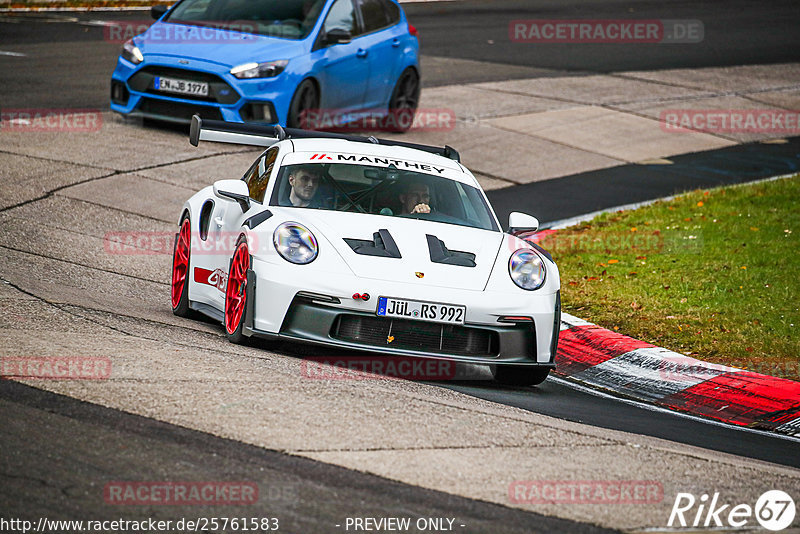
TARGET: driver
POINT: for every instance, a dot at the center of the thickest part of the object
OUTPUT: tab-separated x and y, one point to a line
304	181
415	198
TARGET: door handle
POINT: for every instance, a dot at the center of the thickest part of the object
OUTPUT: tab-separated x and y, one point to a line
361	53
219	221
395	42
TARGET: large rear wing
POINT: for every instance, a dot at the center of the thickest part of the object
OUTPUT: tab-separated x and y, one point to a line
256	135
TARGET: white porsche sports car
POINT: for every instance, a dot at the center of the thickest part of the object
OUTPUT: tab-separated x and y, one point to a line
365	244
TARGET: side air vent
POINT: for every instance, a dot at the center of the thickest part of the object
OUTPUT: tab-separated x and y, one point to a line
440	254
257	219
382	245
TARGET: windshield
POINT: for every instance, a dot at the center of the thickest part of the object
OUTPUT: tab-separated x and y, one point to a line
290	19
385	191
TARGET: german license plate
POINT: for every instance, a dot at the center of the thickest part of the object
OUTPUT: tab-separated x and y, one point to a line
420	310
184	87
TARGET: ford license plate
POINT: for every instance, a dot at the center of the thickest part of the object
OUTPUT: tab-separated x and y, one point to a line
420	310
184	87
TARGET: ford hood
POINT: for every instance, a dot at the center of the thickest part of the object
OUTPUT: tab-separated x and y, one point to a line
224	47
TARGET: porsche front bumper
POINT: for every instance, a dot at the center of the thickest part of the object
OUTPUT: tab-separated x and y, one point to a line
318	320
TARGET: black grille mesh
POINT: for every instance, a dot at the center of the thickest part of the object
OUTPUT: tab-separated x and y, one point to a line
219	90
416	335
178	110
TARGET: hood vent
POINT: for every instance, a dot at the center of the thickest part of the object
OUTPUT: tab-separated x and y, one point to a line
440	254
382	245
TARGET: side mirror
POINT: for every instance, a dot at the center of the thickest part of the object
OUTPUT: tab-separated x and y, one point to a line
522	223
233	190
338	36
158	11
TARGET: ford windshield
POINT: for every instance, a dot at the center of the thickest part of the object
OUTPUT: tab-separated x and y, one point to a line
291	19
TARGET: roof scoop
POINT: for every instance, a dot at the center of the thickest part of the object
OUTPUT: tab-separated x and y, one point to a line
382	245
440	254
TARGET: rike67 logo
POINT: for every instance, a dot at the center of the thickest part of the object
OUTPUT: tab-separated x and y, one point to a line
774	510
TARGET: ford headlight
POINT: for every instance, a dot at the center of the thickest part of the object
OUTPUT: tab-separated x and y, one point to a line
259	70
131	52
295	243
527	269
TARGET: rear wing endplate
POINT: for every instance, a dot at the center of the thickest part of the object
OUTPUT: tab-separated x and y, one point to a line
264	136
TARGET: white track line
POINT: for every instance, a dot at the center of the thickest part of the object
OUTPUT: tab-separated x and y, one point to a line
102	23
13	54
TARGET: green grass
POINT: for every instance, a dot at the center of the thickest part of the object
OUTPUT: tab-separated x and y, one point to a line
713	274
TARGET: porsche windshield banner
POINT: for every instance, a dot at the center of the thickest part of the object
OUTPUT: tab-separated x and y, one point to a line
362	159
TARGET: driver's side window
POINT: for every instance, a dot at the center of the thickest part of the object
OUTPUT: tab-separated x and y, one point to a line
341	16
257	178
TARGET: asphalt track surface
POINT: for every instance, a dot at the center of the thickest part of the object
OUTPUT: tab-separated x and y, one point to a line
44	478
557	399
46	472
563	198
71	52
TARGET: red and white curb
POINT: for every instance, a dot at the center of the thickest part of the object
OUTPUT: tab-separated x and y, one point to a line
603	359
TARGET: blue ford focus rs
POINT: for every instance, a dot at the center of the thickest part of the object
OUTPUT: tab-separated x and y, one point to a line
269	61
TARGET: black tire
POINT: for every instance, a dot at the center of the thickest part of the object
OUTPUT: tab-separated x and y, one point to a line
182	308
405	99
305	98
519	375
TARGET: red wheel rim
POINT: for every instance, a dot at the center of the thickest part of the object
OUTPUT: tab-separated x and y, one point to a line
180	262
235	298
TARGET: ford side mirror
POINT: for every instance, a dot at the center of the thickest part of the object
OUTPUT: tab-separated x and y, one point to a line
158	11
233	190
522	223
338	36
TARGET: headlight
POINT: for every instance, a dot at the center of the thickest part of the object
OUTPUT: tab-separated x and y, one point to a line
295	243
259	70
526	269
131	52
